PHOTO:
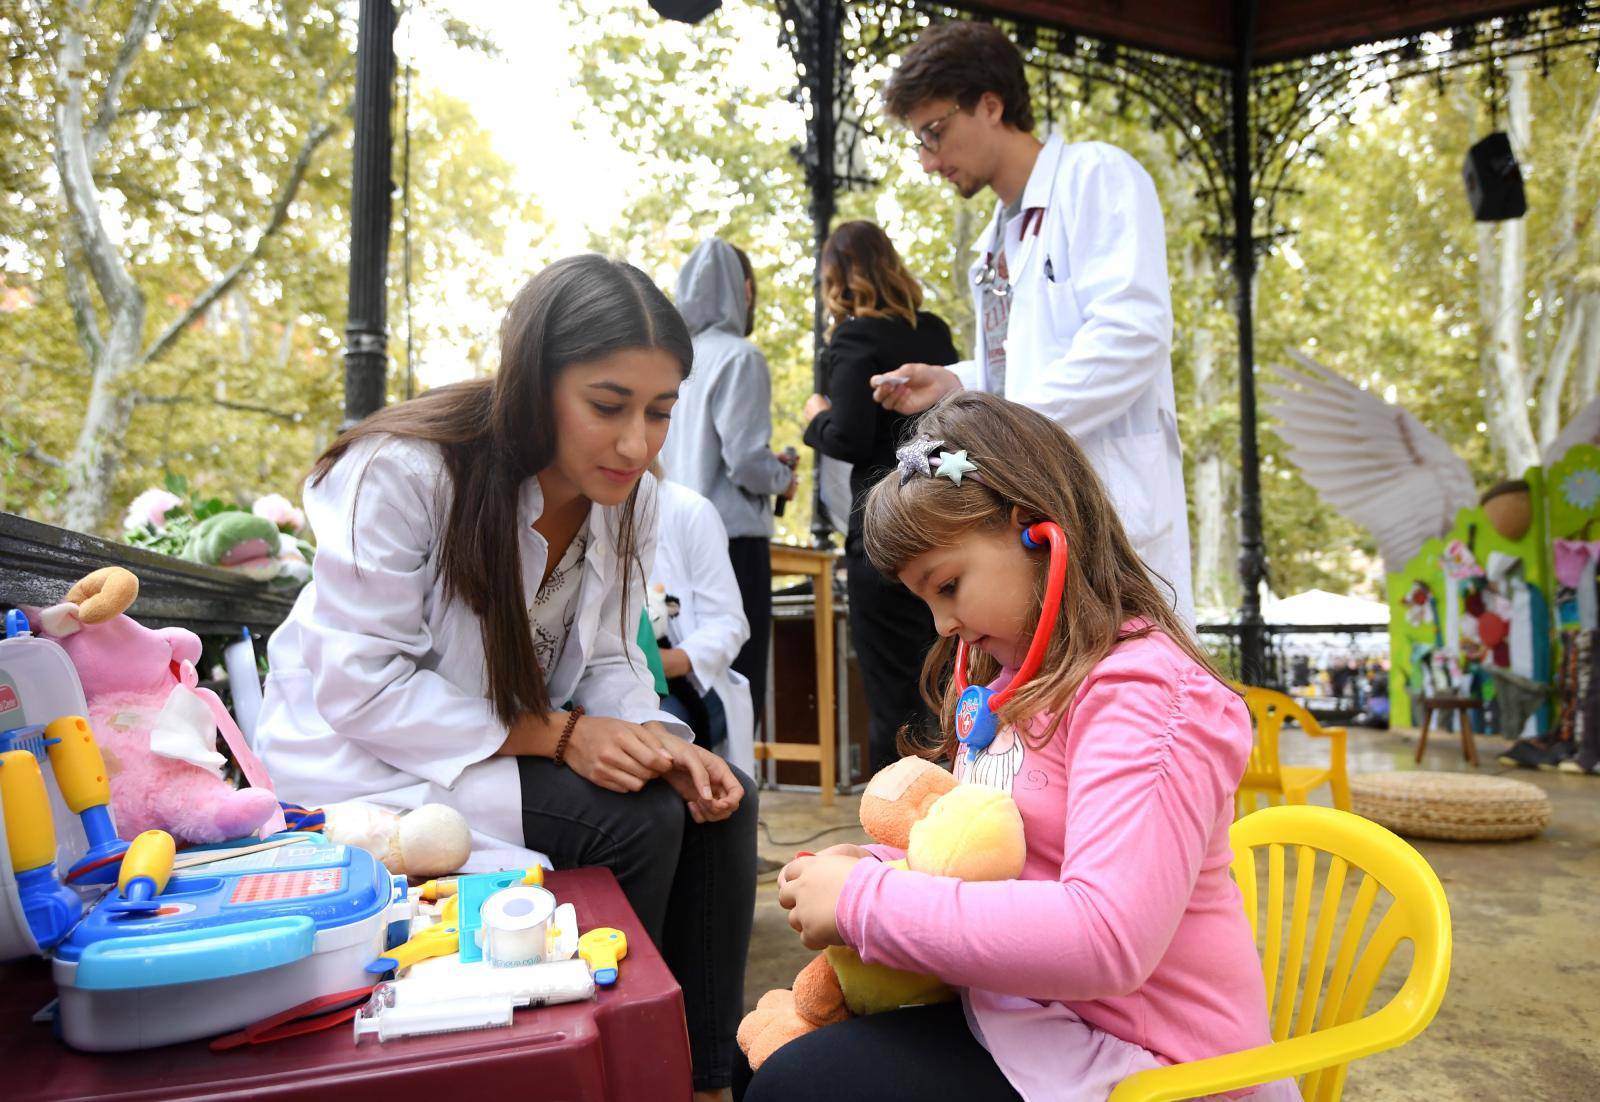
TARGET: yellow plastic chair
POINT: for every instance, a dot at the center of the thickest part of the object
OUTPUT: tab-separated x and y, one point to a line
1317	998
1268	781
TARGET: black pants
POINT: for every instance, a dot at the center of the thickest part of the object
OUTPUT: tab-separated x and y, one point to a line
892	632
693	886
752	568
915	1053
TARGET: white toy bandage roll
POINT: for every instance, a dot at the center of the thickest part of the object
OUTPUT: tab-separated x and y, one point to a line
516	925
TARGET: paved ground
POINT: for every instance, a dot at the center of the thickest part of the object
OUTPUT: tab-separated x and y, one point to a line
1522	1016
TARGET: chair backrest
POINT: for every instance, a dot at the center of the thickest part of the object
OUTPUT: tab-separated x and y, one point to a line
1318	972
1269	709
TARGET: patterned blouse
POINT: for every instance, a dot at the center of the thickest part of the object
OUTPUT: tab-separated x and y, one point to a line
556	605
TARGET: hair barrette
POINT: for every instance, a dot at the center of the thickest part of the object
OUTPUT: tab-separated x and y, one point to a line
917	458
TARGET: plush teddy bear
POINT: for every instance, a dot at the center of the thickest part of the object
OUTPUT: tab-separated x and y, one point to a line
156	730
968	831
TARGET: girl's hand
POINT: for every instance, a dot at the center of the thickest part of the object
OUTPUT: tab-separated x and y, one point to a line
815	405
844	850
704	781
811	892
615	754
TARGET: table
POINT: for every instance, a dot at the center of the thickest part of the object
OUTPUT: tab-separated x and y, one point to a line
630	1042
818	566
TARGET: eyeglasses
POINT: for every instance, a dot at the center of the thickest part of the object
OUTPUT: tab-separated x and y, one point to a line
930	134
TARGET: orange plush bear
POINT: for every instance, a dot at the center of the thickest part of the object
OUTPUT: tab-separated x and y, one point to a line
967	831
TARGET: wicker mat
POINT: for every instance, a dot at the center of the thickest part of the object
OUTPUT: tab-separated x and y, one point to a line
1462	807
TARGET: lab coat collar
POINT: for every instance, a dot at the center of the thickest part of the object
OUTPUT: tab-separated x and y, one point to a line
1042	180
530	507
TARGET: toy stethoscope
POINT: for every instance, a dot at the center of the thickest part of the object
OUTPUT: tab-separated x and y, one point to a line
978	707
989	277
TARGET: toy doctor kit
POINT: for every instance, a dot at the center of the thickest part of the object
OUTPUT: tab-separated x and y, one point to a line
167	954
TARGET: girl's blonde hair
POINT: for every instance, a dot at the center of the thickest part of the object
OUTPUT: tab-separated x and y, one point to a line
863	276
1029	466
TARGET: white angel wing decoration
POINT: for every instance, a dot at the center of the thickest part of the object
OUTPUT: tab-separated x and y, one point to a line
1372	461
1584	428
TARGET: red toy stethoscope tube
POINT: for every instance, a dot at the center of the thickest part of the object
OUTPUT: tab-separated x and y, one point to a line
1045	531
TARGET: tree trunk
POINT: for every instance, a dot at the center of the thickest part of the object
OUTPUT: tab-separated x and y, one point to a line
1589	357
94	457
1502	303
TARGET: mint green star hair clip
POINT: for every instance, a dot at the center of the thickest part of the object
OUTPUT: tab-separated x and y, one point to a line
953	465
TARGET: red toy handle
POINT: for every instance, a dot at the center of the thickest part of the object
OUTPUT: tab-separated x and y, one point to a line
1045	531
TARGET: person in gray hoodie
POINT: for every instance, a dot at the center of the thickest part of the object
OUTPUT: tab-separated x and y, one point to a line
720	443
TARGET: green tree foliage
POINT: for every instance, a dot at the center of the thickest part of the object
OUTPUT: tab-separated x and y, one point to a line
214	109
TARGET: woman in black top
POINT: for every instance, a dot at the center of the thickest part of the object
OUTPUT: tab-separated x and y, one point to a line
877	327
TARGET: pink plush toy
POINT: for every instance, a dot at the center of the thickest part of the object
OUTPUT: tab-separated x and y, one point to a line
155	728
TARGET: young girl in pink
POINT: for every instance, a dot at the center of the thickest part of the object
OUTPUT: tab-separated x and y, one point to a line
1124	945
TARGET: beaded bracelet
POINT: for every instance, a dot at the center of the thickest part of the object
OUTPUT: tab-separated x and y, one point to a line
573	716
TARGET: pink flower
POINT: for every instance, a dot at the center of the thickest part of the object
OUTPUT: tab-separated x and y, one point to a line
280	511
150	508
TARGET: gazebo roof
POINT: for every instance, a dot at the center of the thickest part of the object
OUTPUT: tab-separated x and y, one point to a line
1208	30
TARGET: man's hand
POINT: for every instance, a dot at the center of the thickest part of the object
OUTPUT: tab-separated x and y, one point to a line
815	405
919	387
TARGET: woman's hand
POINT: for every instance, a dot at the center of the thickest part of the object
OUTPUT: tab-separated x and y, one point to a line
810	894
675	663
815	405
843	850
615	754
704	781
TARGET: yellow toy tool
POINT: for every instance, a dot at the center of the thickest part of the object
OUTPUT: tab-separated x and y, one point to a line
80	771
440	939
146	868
49	908
601	948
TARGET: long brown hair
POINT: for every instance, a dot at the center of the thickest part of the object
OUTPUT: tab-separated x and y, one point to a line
1026	463
863	276
497	433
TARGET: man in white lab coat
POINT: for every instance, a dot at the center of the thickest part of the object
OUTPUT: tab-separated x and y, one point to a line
1069	282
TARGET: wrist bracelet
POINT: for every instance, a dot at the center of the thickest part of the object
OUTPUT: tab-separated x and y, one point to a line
560	756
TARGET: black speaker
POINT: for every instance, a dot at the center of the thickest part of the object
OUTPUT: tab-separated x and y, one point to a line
1494	182
686	11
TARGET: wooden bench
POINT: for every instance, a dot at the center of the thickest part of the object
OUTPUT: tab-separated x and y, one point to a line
39	563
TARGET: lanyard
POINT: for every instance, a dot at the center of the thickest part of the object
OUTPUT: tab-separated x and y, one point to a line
989	276
977	710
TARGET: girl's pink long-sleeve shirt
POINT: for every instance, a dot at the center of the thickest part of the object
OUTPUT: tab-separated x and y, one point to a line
1125	916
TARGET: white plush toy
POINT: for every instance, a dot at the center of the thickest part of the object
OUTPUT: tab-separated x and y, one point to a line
432	840
660	607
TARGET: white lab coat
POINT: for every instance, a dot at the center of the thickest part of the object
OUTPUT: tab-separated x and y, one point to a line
692	563
1089	342
377	688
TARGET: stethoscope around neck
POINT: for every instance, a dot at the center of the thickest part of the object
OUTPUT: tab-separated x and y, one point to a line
989	277
978	707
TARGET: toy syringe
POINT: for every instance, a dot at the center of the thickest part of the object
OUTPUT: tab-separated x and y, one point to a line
387	1021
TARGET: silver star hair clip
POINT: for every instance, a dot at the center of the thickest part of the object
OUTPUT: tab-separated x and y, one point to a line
917	458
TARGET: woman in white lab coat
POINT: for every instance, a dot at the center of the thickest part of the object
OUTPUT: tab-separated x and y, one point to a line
468	634
705	624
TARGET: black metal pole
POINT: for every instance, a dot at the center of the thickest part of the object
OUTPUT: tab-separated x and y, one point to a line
824	105
1252	548
365	333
